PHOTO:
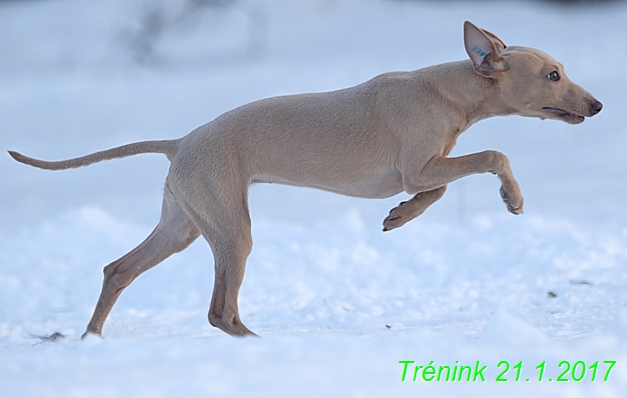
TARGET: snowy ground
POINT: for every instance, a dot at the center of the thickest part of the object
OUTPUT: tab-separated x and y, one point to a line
338	302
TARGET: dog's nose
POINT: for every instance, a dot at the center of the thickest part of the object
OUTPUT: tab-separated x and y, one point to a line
596	107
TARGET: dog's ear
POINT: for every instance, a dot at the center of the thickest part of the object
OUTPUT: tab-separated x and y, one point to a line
484	50
498	43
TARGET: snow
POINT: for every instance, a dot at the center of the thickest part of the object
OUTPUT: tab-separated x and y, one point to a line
337	302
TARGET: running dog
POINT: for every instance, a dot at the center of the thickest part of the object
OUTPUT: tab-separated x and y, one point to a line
390	134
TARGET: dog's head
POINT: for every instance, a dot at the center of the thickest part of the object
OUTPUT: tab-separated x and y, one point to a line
530	81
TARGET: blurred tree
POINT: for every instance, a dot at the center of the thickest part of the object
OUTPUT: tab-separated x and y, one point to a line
159	19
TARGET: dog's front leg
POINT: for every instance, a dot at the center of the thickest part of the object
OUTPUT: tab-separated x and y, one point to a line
412	208
440	171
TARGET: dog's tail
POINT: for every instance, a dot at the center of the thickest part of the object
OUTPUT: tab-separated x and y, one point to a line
167	147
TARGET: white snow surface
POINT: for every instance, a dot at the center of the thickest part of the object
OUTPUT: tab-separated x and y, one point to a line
338	303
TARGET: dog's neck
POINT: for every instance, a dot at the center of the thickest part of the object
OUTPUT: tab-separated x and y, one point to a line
477	97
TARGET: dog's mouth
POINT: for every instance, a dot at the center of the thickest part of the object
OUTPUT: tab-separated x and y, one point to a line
564	115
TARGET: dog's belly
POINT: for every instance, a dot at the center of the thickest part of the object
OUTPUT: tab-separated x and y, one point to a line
373	187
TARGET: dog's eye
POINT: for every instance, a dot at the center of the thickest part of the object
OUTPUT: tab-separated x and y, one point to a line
553	76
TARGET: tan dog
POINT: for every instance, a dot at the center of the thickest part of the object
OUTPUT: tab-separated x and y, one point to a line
388	135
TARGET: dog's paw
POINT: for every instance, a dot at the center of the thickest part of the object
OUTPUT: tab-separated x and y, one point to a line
513	201
396	218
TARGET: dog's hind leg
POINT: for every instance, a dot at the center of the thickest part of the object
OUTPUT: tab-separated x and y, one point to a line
228	232
231	250
412	208
174	233
220	211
